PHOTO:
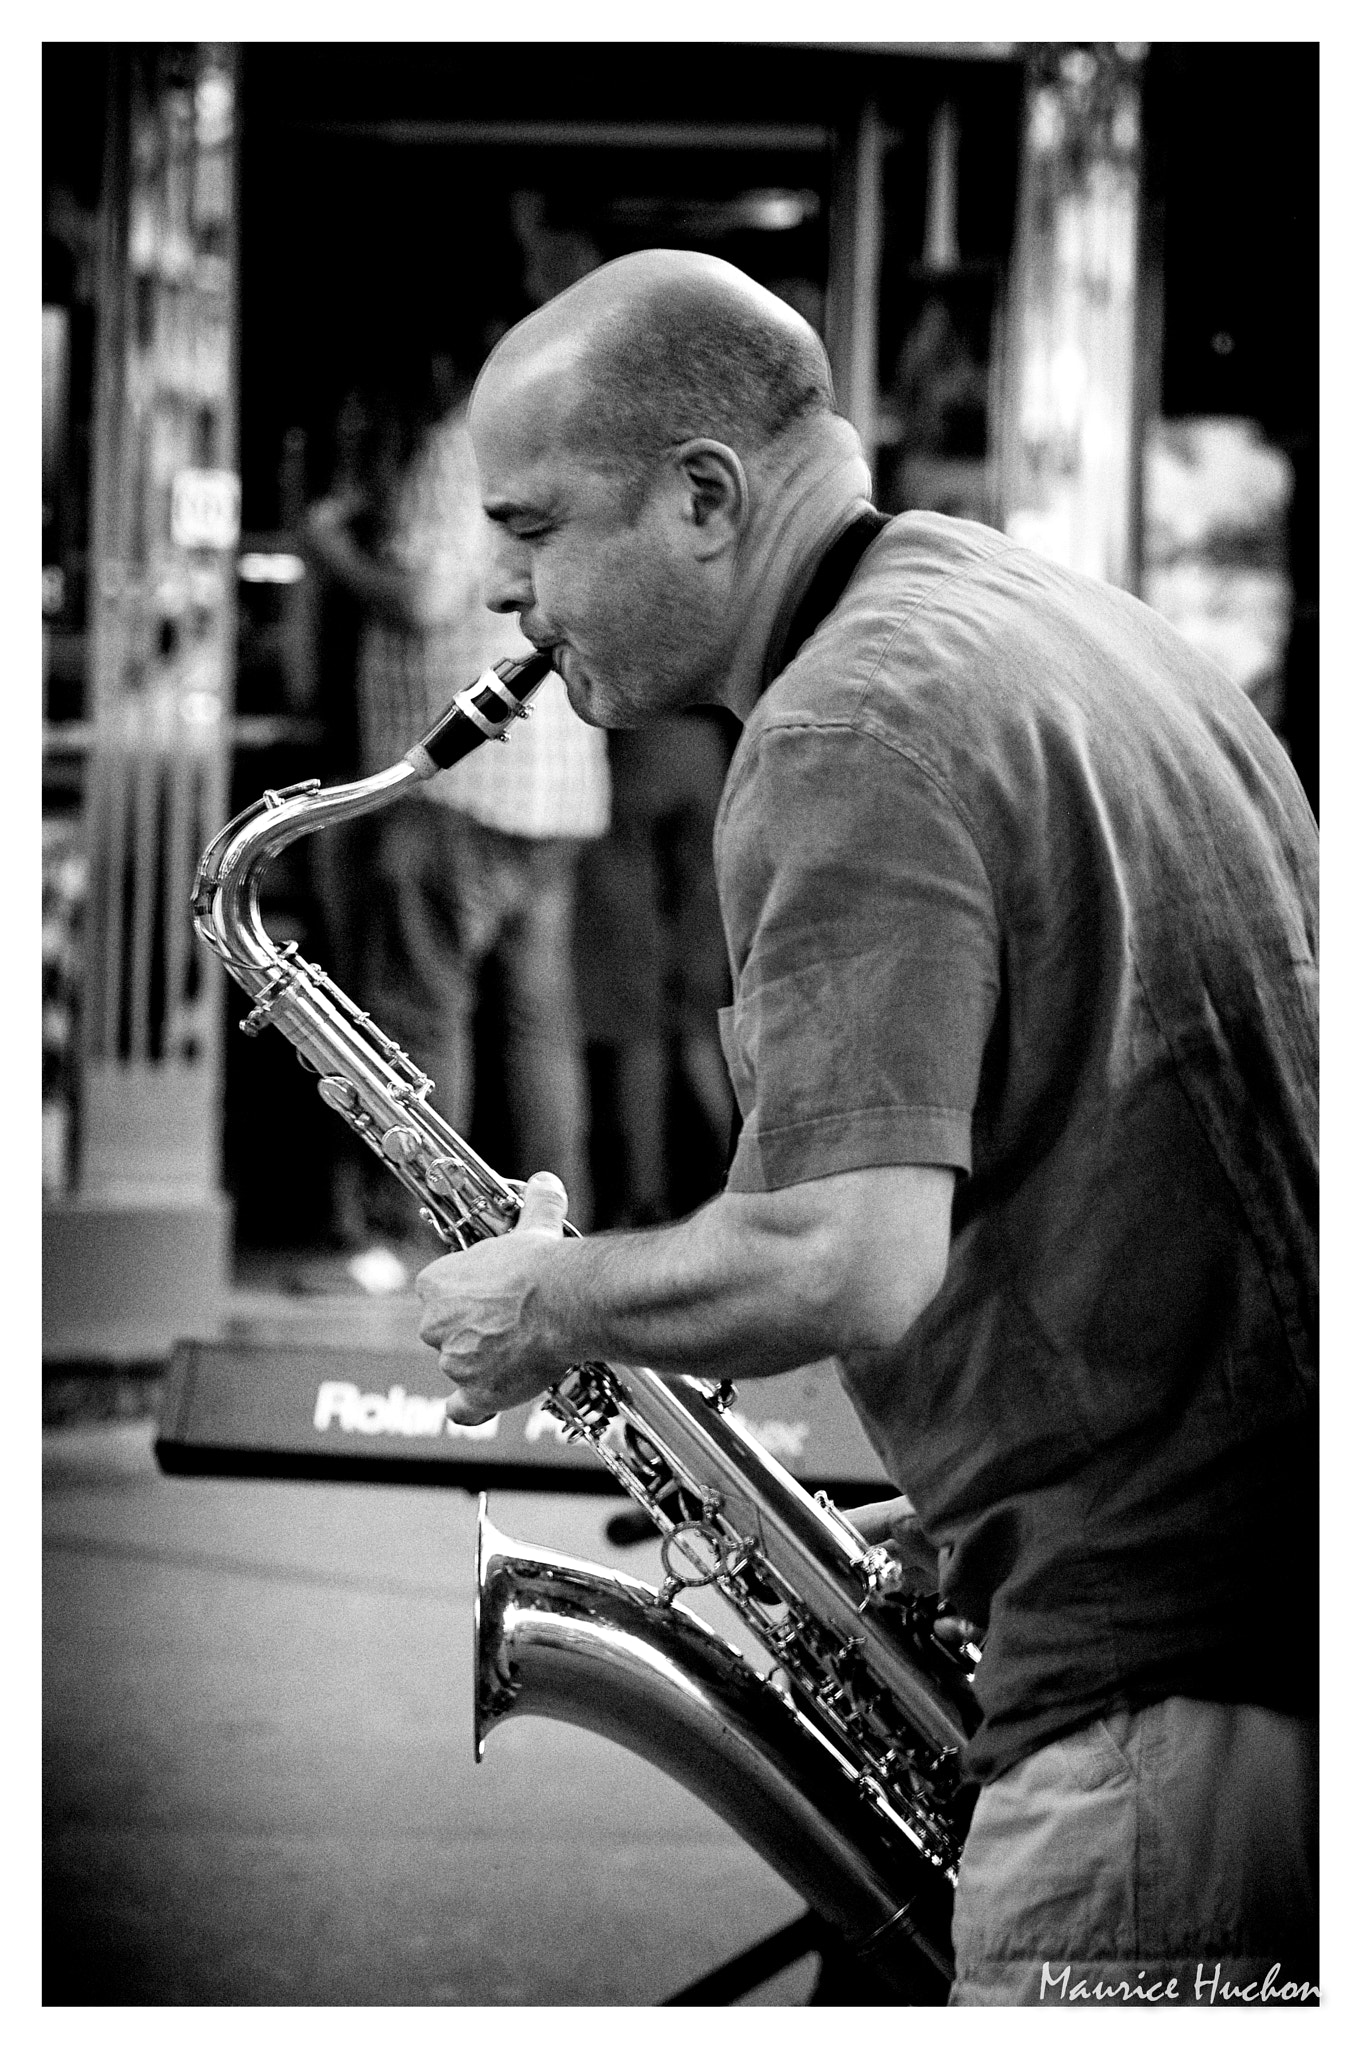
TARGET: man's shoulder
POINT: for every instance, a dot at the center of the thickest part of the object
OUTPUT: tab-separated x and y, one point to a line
953	627
868	695
890	627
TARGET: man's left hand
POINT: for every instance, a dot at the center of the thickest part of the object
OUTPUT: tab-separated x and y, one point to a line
484	1310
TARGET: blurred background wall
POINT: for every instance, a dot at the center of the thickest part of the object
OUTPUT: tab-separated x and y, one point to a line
1068	290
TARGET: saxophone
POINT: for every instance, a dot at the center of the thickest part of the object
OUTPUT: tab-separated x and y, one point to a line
838	1762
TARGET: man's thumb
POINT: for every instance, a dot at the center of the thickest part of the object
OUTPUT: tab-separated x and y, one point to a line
544	1204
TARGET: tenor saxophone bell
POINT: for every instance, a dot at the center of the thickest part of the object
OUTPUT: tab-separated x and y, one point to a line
600	1650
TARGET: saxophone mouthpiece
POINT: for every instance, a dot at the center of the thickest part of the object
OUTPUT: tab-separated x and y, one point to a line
484	711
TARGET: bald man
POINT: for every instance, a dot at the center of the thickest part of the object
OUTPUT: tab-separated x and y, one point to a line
1019	897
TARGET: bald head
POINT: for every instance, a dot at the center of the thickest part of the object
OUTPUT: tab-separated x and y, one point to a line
663	347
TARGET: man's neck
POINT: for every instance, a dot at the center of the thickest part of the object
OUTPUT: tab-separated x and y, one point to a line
793	525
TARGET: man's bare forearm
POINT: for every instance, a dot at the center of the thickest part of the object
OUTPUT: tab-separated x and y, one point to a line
706	1294
753	1284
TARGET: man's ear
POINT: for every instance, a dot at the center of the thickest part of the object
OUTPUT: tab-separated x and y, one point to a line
716	494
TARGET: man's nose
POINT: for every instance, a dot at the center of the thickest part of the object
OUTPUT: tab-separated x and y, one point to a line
507	585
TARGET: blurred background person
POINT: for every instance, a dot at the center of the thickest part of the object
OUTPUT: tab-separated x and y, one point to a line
477	870
654	972
652	967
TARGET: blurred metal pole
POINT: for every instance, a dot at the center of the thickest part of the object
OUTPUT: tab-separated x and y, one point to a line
137	1256
855	250
1072	426
1150	317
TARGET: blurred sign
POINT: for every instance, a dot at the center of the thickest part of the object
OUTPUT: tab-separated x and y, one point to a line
205	508
257	567
307	1411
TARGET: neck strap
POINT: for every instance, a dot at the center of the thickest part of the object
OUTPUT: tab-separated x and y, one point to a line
830	578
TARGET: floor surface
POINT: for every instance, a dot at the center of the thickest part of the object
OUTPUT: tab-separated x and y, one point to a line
258	1771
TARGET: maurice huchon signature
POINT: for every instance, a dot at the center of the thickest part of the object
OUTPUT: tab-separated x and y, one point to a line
1211	1985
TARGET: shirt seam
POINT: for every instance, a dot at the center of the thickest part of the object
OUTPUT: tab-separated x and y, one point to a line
909	754
1005	546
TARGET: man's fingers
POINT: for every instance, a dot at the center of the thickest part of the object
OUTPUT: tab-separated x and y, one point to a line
955	1632
545	1203
469	1413
875	1520
467	1403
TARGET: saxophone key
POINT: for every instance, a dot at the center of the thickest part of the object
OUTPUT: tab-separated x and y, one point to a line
401	1145
744	1568
881	1574
416	1087
274	799
447	1176
338	1094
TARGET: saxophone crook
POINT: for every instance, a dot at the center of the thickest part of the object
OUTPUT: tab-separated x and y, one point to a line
362	1075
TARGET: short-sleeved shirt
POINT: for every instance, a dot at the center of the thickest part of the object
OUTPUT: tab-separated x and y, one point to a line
1015	883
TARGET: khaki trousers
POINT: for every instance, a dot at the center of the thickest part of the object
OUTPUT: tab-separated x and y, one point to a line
1164	1855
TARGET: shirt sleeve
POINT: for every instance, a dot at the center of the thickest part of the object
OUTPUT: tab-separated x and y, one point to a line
865	955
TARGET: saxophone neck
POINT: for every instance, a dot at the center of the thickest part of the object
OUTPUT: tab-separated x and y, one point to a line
225	903
257	835
226	888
